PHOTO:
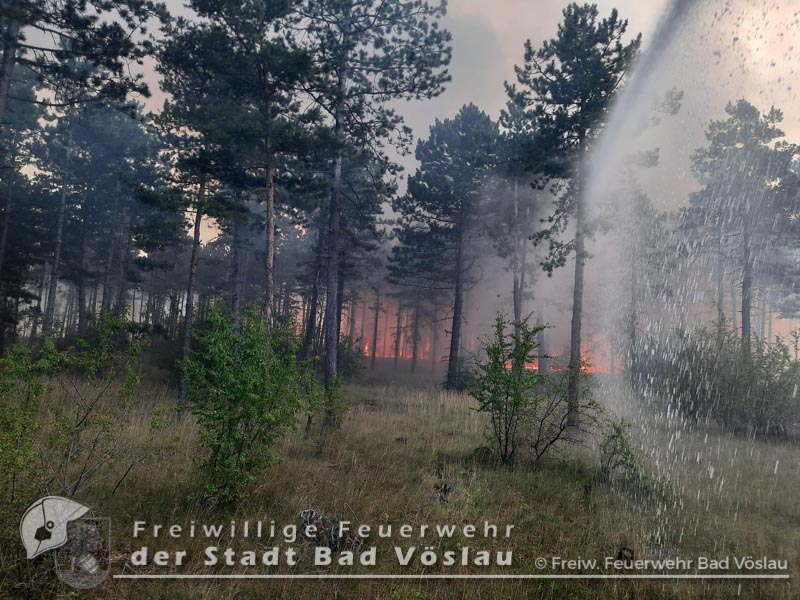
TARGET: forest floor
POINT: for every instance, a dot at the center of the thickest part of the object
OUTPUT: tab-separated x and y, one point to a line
383	465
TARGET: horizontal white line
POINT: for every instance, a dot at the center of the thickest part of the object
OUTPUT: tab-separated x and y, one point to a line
454	576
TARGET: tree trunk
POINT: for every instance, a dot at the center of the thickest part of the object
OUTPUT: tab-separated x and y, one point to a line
352	319
632	319
415	335
187	319
107	278
573	391
62	209
515	260
84	268
768	309
434	338
747	290
339	307
9	60
385	338
236	298
453	366
375	329
520	263
398	334
720	278
541	341
124	251
269	282
311	321
7	208
38	312
332	283
734	320
334	219
66	321
93	302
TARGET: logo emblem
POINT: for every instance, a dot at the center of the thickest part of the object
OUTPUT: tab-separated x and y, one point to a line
81	546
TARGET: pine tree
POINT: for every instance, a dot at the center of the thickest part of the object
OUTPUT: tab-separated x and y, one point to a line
104	36
369	53
571	82
746	168
441	212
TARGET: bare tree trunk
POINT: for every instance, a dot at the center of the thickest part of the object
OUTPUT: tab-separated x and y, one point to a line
269	282
133	305
142	314
93	301
112	246
9	203
37	313
385	339
84	268
375	329
66	321
124	251
332	284
311	321
339	307
9	60
434	337
734	320
187	319
351	316
334	218
151	312
51	292
453	366
287	300
516	258
632	320
398	334
415	335
720	278
236	298
573	392
747	290
768	309
541	340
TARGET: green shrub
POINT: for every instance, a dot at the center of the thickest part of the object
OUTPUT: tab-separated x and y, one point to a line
710	378
526	407
21	472
503	387
617	456
246	388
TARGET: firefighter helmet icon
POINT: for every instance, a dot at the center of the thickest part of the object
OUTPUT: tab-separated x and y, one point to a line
81	557
44	524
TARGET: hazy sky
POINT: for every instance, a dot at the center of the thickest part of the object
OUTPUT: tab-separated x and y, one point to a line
488	38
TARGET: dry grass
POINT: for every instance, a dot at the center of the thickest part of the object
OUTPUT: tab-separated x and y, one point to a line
396	443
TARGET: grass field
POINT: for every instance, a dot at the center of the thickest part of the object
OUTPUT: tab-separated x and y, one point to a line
703	495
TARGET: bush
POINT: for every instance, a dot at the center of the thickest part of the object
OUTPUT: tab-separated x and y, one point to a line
710	378
503	387
525	406
20	469
547	424
617	456
246	388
